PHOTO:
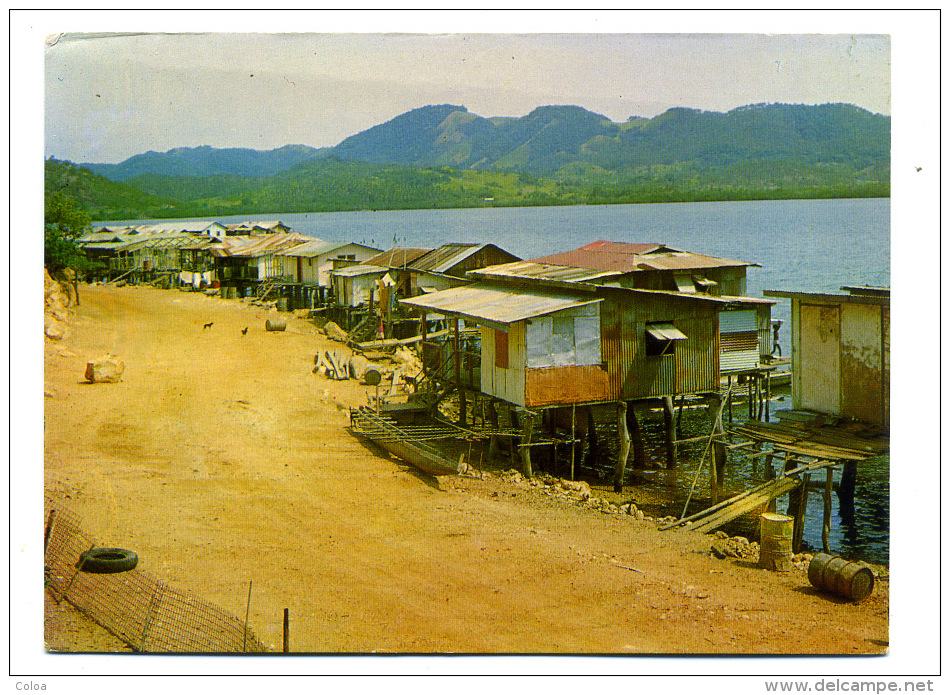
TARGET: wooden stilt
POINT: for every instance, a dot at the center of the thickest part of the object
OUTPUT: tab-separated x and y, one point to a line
573	436
515	421
670	434
826	516
719	463
636	438
770	475
768	396
624	450
493	421
591	429
729	399
849	476
529	425
457	359
679	418
800	514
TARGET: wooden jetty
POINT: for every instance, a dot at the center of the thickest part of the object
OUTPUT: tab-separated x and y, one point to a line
809	443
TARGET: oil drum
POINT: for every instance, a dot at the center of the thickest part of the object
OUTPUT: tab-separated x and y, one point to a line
775	542
850	580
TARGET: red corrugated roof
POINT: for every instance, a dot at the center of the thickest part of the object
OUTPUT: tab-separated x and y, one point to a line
618	256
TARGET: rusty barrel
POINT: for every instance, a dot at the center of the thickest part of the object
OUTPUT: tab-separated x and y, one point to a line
850	580
775	542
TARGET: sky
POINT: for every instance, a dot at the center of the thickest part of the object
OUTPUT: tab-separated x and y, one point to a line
111	96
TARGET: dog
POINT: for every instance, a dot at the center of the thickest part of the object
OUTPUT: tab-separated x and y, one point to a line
207	326
244	331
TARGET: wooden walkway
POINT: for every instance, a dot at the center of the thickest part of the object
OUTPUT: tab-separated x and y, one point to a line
808	443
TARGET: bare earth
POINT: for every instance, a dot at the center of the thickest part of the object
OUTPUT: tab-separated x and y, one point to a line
221	459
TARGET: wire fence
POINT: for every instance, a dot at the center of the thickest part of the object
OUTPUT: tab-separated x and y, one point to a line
138	608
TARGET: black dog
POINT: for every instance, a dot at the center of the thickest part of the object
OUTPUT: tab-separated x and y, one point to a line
208	325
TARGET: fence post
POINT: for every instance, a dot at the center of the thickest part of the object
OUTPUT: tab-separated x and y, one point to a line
247	614
286	630
152	607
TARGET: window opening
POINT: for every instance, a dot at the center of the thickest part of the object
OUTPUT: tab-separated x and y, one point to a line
661	339
501	349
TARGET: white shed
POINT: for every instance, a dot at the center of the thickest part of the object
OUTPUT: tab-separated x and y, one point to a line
311	262
352	285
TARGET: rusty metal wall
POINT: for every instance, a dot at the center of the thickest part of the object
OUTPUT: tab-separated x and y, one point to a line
694	368
548	386
862	385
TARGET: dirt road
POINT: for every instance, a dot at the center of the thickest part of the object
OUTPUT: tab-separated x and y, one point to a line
221	459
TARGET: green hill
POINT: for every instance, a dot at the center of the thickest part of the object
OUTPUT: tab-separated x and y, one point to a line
444	156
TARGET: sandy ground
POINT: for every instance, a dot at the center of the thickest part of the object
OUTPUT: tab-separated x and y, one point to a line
221	459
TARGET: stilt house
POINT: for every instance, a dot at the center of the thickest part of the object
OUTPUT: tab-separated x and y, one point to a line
841	352
311	262
446	266
612	327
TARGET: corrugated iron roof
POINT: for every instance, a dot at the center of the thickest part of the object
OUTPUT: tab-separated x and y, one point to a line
357	270
541	271
444	258
615	256
397	257
496	305
259	244
312	248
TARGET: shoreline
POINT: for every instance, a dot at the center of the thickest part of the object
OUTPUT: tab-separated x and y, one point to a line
222	459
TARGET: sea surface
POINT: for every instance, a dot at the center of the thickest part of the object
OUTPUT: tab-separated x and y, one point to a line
800	245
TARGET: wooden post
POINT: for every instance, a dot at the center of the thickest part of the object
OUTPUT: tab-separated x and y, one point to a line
82	562
670	434
636	438
529	424
422	344
729	399
457	357
679	418
800	514
247	613
719	465
624	436
849	475
770	475
591	428
286	630
826	516
713	480
493	421
768	395
573	435
52	516
715	413
515	421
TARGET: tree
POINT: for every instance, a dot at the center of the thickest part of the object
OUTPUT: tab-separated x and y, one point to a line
64	222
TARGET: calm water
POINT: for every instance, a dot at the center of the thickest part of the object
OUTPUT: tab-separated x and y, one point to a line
803	245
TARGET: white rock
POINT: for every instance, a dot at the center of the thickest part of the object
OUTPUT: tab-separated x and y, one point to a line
106	369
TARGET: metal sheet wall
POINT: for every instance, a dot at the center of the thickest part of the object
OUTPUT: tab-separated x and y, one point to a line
694	367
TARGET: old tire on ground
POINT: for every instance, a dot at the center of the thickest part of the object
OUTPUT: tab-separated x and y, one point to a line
108	560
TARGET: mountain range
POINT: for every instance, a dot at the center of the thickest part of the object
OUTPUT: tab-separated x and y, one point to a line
551	139
445	156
